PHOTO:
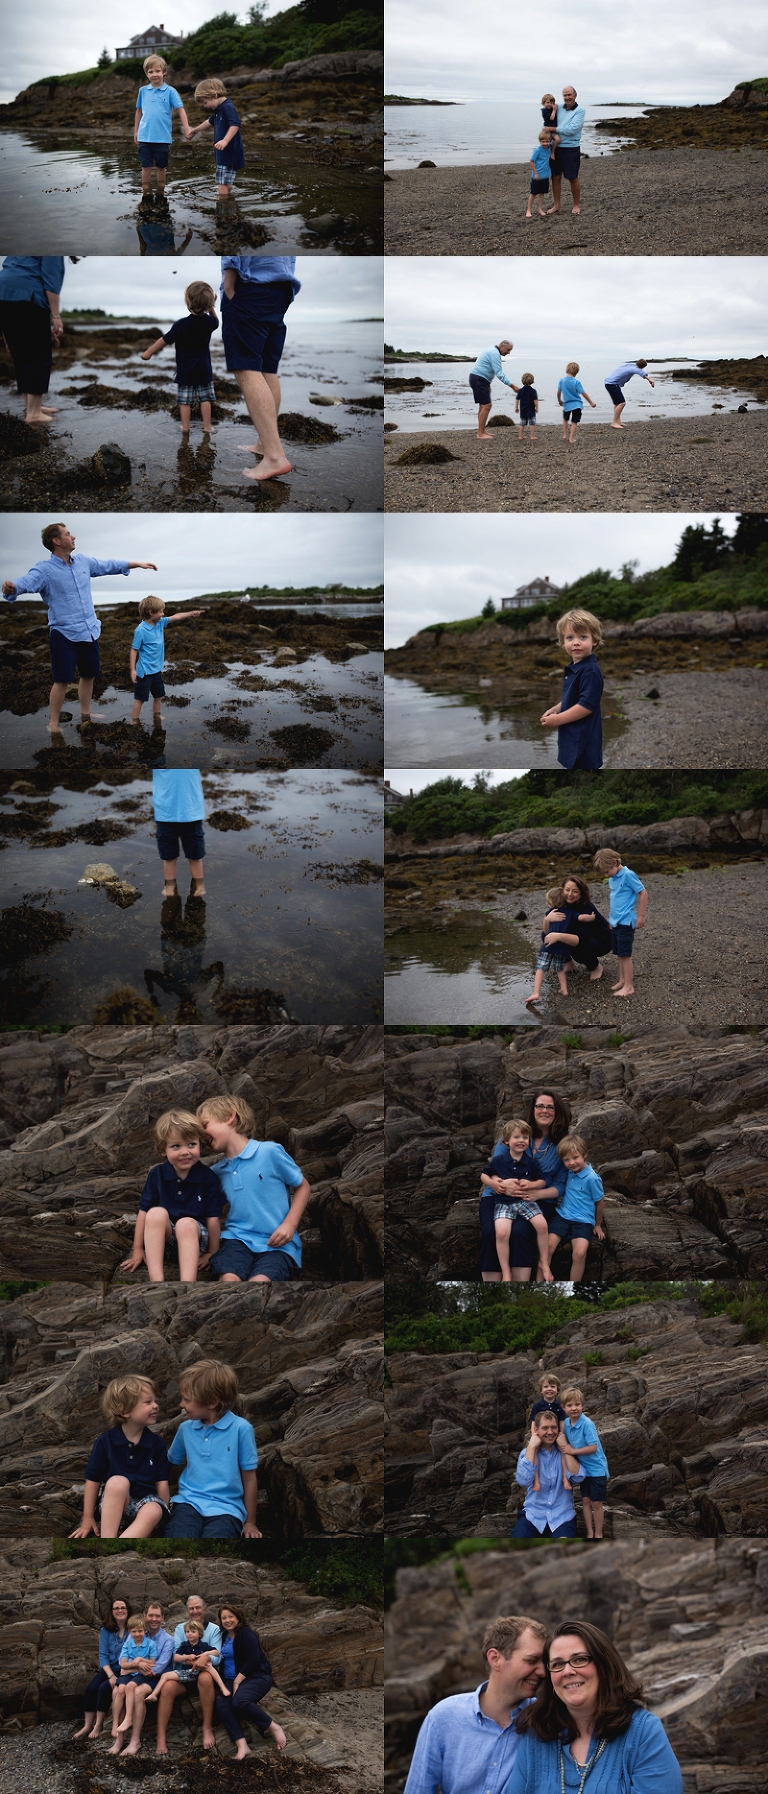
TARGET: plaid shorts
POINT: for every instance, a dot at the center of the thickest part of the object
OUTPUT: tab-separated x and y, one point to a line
509	1211
187	394
548	961
132	1507
171	1247
225	177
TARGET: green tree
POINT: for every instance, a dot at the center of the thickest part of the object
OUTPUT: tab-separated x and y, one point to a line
489	608
105	60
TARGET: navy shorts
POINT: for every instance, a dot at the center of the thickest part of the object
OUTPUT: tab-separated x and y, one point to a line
571	1230
574	416
149	684
616	394
567	162
238	1260
539	186
154	154
622	937
252	328
594	1487
187	1522
66	656
189	834
481	389
525	1529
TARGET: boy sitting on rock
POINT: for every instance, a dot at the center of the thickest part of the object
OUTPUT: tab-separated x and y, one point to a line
514	1162
218	1487
181	1203
267	1194
184	1660
126	1476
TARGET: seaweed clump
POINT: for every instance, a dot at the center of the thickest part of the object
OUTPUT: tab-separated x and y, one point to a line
295	427
25	930
18	438
232	727
244	1003
227	819
303	741
362	872
426	454
501	422
125	1008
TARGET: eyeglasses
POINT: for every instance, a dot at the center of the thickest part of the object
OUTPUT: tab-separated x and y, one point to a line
560	1663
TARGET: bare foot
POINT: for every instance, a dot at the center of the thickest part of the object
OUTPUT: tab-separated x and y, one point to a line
92	716
278	1734
626	993
254	448
170	889
116	1750
269	470
209	1741
619	986
483	434
161	1750
576	211
126	1725
529	217
132	1750
84	1732
533	999
546	1276
551	210
54	728
243	1750
617	426
598	973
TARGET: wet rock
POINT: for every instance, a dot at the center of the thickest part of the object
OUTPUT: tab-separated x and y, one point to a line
227	819
118	889
389	427
392	384
427	164
302	742
426	454
111	464
25	930
295	427
19	438
500	421
325	224
284	657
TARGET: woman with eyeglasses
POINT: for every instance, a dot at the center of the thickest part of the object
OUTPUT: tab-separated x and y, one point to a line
587	1731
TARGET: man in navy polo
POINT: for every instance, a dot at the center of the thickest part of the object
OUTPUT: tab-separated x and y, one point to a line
64	584
468	1742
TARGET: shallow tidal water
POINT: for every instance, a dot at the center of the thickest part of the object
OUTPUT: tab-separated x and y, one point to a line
447	402
426	728
478	969
490	132
83	201
287	910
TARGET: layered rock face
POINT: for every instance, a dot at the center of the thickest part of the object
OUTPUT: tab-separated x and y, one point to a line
678	1399
78	1111
676	1120
50	1614
308	1361
689	1620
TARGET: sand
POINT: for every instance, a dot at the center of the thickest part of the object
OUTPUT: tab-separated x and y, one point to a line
705	463
638	202
695	721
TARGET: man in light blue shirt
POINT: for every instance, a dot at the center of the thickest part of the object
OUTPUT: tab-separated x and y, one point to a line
549	1511
63	581
616	382
468	1742
487	368
570	122
256	291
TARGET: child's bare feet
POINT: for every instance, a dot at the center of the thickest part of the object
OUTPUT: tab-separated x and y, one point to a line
125	1725
93	716
170	889
84	1732
598	973
116	1749
617	426
269	470
576	211
628	991
533	999
544	1276
209	1741
619	986
132	1750
197	888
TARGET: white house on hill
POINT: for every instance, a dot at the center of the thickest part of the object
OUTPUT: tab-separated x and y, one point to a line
156	38
538	591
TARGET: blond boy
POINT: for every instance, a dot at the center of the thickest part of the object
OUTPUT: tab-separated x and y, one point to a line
227	141
628	908
181	1203
511	1165
579	1436
579	1213
148	653
577	717
259	1242
570	393
126	1476
539	165
153	124
184	1660
191	338
218	1487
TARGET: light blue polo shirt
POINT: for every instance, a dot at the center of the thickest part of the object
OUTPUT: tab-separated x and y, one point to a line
583	1191
584	1432
157	105
256	1185
625	888
572	391
215	1451
149	638
541	162
177	794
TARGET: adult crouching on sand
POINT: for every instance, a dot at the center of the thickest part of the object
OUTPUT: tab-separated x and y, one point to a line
31	323
256	291
616	382
487	368
567	161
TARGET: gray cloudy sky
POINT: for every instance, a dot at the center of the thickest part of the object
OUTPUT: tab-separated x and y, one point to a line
441	568
209	554
657	306
45	38
693	51
405	780
332	287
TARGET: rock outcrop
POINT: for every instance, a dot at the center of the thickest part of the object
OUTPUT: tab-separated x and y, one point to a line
737	828
50	1614
690	1620
77	1113
677	1125
678	1398
308	1361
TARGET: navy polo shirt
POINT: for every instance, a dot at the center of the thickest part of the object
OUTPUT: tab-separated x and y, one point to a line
502	1164
582	741
199	1194
542	1407
191	338
145	1464
224	117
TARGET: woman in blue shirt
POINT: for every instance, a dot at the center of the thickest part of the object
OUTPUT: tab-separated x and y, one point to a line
98	1694
246	1671
31	323
587	1731
550	1118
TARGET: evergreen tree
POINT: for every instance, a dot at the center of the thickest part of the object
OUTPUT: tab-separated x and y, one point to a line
489	609
105	60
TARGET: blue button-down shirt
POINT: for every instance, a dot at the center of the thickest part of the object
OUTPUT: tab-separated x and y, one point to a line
461	1750
488	366
263	268
551	1505
31	277
65	588
163	1643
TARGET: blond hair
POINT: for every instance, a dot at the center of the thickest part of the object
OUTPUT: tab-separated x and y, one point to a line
50	533
194	1626
571	1143
199	297
121	1395
605	858
572	367
549	1377
222	1107
502	1634
150	62
137	1620
176	1121
545	136
580	619
515	1127
548	99
527	380
150	606
554	897
572	1395
211	1383
210	89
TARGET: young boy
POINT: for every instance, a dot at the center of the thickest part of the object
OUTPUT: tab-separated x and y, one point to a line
126	1476
153	124
184	1660
549	1403
218	1488
579	1212
539	165
570	393
148	653
549	109
227	141
267	1194
516	1162
138	1651
556	943
179	806
577	717
527	404
181	1203
628	908
580	1437
192	339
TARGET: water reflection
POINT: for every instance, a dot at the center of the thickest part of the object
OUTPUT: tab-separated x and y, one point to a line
476	968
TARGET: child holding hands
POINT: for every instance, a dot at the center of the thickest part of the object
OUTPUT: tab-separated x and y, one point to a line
227	141
181	1204
153	124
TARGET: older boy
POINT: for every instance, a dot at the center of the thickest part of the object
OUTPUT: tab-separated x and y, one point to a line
153	124
577	717
64	584
259	1242
579	1213
487	368
227	141
628	909
580	1437
148	653
468	1742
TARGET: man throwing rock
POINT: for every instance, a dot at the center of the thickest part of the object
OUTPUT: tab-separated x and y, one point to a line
63	581
567	161
468	1742
487	368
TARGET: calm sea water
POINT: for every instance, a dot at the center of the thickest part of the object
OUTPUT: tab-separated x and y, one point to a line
446	729
484	132
447	403
478	967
